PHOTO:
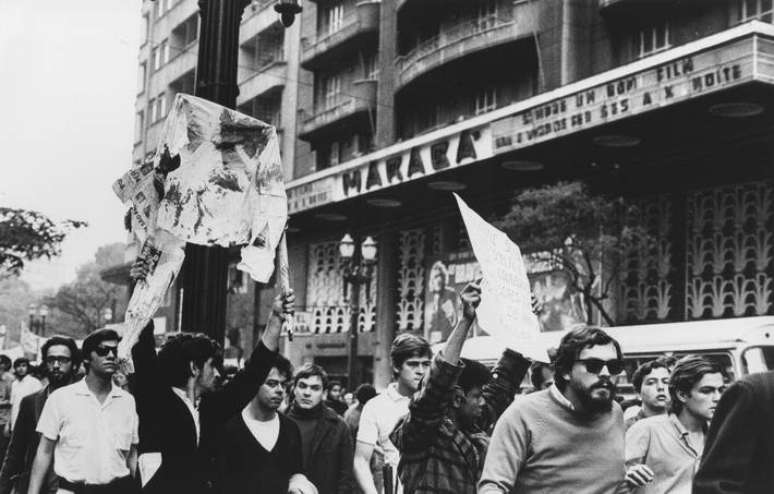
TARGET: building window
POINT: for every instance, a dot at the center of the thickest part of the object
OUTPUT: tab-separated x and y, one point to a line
152	109
185	33
487	14
145	29
141	77
160	55
331	91
158	107
761	10
334	17
371	67
486	100
652	39
139	126
163	6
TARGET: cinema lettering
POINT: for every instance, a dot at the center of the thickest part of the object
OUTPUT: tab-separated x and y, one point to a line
416	162
626	96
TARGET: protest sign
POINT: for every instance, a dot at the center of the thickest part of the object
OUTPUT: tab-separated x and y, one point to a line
505	311
216	179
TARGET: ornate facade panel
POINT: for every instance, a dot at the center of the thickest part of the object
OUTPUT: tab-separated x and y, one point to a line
730	248
645	287
326	300
411	279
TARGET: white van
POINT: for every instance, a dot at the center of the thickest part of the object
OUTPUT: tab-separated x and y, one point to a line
742	345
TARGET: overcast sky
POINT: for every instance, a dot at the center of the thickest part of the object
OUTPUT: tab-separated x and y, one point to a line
68	72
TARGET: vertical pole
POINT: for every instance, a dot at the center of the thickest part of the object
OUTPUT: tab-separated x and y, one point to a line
205	270
353	370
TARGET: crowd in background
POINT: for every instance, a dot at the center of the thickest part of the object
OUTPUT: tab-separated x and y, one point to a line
179	423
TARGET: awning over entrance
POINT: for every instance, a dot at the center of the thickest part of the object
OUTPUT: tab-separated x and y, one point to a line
737	57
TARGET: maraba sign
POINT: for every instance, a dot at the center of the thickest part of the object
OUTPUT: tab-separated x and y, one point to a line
414	163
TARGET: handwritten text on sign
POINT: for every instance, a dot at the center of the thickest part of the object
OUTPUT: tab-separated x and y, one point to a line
630	95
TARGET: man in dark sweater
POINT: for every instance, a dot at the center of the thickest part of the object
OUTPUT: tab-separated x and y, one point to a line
178	439
325	438
259	450
569	437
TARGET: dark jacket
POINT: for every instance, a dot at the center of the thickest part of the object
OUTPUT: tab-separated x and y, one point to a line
245	467
24	444
166	425
739	452
330	462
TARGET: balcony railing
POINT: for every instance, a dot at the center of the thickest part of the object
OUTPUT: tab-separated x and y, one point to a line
364	20
467	37
361	99
261	80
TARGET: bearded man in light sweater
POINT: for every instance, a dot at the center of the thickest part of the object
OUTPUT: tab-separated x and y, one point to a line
569	437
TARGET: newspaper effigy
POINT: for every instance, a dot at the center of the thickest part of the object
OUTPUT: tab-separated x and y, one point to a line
506	310
216	179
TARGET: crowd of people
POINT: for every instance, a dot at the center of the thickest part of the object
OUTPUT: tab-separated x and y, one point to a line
445	424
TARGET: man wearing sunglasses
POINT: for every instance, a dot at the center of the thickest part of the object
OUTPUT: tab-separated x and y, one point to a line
61	359
569	437
89	429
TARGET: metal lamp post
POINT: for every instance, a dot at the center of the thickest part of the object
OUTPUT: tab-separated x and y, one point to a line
357	266
38	319
205	269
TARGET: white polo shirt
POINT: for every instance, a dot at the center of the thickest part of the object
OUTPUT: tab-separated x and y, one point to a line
378	419
93	439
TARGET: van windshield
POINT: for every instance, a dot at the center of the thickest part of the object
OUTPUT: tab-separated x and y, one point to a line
758	359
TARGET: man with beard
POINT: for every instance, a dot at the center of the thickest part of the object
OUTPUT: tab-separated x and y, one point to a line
569	437
182	409
663	452
651	381
325	439
443	440
90	427
60	356
260	449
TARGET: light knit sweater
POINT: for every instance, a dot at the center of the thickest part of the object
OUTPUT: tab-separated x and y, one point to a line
541	445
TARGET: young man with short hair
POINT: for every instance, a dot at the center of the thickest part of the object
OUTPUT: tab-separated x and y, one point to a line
25	384
259	450
410	356
182	409
569	437
651	382
61	357
443	439
663	452
335	398
89	429
325	439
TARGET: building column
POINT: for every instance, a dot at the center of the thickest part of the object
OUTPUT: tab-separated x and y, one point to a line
385	307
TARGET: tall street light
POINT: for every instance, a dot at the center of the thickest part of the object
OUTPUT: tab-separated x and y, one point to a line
357	267
205	269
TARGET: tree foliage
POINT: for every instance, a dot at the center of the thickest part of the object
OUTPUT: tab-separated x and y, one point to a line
584	234
28	235
80	305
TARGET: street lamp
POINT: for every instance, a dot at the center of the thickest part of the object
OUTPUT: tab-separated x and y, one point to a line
287	9
38	324
357	267
107	314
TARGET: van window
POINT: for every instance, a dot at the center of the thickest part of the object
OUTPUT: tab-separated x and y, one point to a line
758	359
631	362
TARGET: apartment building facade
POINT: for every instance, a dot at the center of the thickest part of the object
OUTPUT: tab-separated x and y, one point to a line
404	101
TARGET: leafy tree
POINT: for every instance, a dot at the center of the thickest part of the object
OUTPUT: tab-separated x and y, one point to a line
585	235
79	306
28	235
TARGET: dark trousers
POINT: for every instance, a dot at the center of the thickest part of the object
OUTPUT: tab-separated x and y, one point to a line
125	485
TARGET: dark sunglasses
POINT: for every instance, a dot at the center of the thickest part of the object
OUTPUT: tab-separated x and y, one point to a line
594	365
102	351
58	360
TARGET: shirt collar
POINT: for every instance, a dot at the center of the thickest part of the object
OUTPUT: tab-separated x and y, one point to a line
183	396
82	389
678	425
558	396
393	394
